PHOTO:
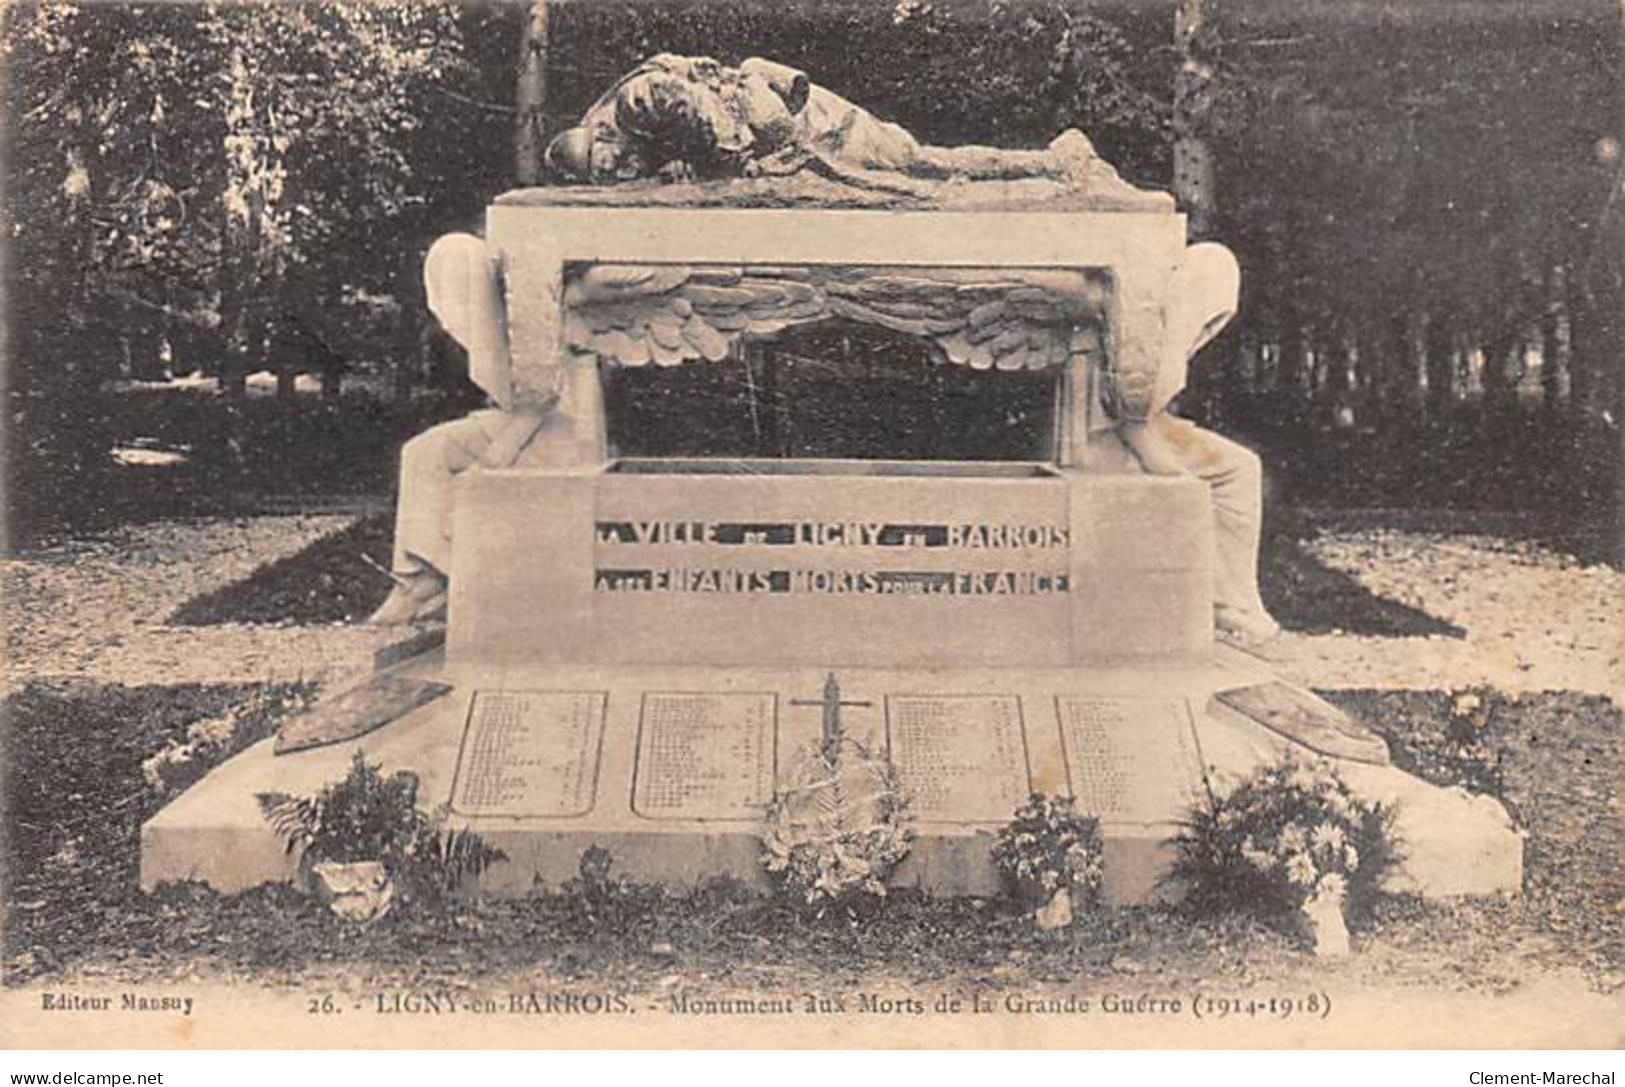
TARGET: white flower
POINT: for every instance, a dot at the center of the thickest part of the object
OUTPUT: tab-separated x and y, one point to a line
1293	837
77	183
1351	858
1301	870
1328	836
909	9
1302	777
1338	802
152	771
1332	885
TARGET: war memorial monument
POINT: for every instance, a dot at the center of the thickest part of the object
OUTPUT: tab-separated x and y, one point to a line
634	649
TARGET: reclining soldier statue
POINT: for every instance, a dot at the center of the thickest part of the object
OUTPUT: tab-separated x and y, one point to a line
691	118
679	119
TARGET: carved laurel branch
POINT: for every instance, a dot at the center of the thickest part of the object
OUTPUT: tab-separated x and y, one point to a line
635	314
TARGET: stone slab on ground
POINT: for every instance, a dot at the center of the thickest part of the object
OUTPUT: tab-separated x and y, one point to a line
1310	721
356	711
671	769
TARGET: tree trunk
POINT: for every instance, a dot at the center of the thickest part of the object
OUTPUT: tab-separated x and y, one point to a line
286	362
1440	365
529	97
410	334
1466	368
1613	293
234	364
1247	366
1498	380
1195	181
1599	387
1554	353
1411	370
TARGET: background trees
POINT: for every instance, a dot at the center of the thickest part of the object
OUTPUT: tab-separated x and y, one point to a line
1419	193
204	170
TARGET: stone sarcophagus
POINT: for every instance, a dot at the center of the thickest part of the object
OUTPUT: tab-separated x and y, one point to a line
737	563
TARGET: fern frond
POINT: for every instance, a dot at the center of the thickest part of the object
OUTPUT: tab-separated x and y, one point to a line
294	819
465	855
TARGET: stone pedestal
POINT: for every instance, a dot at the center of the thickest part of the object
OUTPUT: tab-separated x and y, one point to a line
669	772
636	647
638	653
831	564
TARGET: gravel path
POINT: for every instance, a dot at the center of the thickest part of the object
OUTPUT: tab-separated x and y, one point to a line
1535	620
95	608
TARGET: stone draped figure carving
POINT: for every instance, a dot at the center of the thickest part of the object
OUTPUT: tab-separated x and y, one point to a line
1201	298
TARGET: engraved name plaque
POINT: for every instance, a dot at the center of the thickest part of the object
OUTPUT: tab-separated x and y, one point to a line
959	758
705	756
1129	760
530	754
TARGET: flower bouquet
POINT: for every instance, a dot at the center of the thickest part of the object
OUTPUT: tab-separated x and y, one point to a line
1050	857
1290	840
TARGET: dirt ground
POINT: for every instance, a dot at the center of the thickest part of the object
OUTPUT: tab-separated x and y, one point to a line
96	608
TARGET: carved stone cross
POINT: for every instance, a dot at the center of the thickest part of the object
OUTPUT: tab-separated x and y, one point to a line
831	704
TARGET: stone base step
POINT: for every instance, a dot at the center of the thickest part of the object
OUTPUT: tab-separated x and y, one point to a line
669	770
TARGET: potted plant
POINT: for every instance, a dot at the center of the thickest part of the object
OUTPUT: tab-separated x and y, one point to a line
363	840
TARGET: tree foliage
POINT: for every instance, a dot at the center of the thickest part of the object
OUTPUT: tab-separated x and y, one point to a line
211	167
170	162
1384	163
197	173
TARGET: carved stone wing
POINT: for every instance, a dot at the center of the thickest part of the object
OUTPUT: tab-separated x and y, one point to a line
669	314
985	320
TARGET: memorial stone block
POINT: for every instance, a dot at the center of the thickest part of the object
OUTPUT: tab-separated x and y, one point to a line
638	642
531	754
1129	760
705	756
960	758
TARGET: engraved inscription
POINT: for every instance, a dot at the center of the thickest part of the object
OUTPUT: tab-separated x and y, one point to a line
1000	559
1128	759
704	756
959	758
530	753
